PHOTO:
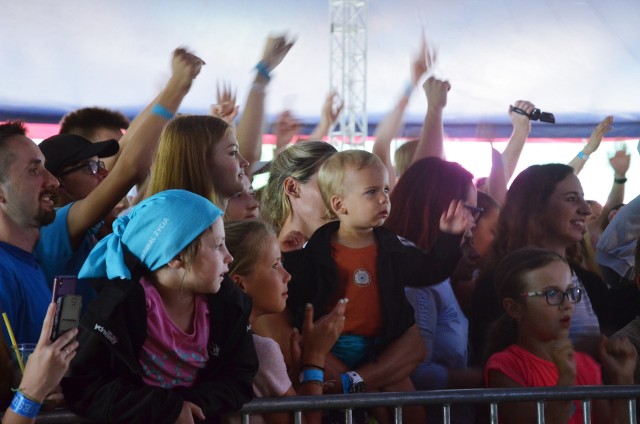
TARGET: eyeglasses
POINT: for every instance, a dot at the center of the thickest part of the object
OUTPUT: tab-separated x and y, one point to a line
476	213
93	166
555	297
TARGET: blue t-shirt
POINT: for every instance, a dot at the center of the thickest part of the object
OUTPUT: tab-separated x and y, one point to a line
24	294
56	257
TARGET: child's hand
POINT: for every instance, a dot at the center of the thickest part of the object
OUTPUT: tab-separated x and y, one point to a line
563	358
318	338
618	358
189	411
294	240
295	349
457	219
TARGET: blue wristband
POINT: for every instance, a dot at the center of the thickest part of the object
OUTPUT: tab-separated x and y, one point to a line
162	111
346	383
263	71
582	155
24	406
312	375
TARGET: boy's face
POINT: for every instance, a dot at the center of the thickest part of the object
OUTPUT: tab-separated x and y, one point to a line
365	203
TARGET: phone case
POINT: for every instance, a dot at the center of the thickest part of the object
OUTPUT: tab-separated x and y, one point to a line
67	314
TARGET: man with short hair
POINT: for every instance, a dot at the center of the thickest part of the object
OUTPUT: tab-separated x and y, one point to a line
26	204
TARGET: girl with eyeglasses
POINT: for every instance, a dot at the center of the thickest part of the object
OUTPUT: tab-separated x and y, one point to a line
532	341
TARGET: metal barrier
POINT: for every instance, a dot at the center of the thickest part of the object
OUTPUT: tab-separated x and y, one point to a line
446	398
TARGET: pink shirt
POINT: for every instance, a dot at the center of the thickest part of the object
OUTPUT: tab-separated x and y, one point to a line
170	357
529	370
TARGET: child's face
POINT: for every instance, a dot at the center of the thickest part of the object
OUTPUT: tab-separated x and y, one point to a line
267	283
365	203
211	263
540	320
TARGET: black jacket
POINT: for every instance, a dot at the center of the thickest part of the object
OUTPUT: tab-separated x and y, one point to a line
400	264
105	382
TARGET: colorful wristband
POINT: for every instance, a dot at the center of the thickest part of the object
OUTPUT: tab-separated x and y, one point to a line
263	71
162	111
582	155
312	375
24	406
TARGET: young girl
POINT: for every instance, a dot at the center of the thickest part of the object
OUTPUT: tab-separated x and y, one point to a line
258	272
538	296
157	345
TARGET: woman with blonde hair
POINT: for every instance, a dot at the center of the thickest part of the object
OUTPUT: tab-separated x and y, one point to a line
199	153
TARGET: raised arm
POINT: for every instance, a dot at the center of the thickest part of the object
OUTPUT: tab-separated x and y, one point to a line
521	129
620	162
577	163
249	132
432	138
135	161
330	112
497	181
286	128
388	128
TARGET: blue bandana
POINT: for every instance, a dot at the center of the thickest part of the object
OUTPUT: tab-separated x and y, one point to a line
155	231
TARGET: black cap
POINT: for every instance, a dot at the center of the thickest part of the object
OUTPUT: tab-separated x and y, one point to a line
66	149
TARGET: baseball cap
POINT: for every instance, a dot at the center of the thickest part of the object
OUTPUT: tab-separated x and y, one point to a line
65	149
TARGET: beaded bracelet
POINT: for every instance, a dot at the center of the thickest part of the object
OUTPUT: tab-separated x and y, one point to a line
24	406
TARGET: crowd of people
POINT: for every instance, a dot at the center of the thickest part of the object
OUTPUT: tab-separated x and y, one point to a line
347	273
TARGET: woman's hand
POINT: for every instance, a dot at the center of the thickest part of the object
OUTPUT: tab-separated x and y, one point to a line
49	361
457	219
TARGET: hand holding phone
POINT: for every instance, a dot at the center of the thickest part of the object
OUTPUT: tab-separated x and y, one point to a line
68	305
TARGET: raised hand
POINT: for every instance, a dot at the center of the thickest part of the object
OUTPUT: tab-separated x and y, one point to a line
597	135
563	357
225	107
618	359
422	62
330	112
185	66
286	128
620	162
275	50
519	121
436	91
457	219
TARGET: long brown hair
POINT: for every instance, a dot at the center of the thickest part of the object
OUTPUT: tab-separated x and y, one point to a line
181	162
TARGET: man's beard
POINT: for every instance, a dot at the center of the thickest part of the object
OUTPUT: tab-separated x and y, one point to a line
45	217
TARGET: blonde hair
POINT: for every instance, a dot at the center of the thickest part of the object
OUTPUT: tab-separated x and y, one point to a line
332	172
403	156
182	160
245	241
299	162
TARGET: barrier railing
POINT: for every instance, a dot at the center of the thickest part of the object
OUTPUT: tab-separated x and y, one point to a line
446	398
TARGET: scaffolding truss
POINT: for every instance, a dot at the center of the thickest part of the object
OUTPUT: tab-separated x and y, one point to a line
348	69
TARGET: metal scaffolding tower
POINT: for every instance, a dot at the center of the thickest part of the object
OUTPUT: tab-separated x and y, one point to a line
348	69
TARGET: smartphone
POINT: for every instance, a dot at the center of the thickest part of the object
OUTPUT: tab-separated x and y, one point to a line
68	305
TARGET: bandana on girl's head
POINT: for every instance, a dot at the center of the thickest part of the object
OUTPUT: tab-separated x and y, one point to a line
155	231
